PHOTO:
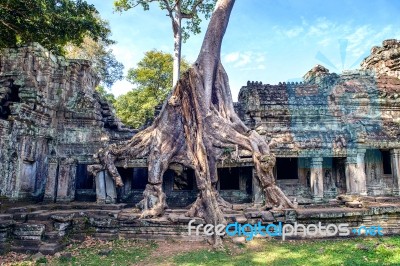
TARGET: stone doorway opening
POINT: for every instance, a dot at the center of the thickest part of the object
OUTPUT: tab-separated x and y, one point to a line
85	187
236	184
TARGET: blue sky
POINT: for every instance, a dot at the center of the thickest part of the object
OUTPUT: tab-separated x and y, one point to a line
268	41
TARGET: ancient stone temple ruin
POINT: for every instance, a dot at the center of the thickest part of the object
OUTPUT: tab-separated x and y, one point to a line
332	134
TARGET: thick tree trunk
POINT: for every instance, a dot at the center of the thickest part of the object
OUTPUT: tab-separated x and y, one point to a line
177	29
195	126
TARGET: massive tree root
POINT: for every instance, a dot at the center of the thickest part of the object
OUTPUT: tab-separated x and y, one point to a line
195	126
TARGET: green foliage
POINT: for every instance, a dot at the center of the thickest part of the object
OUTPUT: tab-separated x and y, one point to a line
52	23
110	70
190	10
103	60
135	107
153	80
154	72
41	260
106	95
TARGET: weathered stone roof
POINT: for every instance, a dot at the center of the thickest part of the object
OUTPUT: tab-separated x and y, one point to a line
329	113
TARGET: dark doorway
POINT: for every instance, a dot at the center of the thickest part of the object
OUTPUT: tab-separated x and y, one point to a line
229	178
85	188
185	181
137	175
6	102
286	168
387	164
83	179
236	184
140	177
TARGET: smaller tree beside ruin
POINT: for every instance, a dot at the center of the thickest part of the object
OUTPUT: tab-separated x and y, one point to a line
177	10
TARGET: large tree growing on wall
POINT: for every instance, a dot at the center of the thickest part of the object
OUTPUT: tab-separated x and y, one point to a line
195	128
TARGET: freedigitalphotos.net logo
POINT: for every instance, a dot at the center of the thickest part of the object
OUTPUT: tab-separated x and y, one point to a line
281	230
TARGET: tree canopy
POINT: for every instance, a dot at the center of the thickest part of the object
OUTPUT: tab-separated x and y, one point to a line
102	58
190	10
152	78
106	95
52	23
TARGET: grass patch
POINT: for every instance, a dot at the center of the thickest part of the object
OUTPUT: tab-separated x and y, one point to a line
94	252
356	251
361	251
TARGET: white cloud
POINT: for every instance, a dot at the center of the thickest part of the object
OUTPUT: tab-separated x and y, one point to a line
126	55
260	58
294	32
244	60
323	35
232	57
357	40
121	87
325	42
320	27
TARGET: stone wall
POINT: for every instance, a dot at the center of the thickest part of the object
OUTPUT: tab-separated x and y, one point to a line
51	119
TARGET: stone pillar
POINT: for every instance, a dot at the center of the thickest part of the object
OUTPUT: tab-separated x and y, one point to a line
316	179
27	176
258	196
66	180
362	177
50	191
100	188
395	156
111	190
303	169
356	183
27	168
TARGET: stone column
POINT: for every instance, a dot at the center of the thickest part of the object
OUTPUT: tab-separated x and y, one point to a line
66	180
395	156
100	188
51	181
355	174
27	168
362	177
111	190
258	196
316	179
304	167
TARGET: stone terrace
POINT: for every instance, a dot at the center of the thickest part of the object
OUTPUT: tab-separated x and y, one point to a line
48	228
